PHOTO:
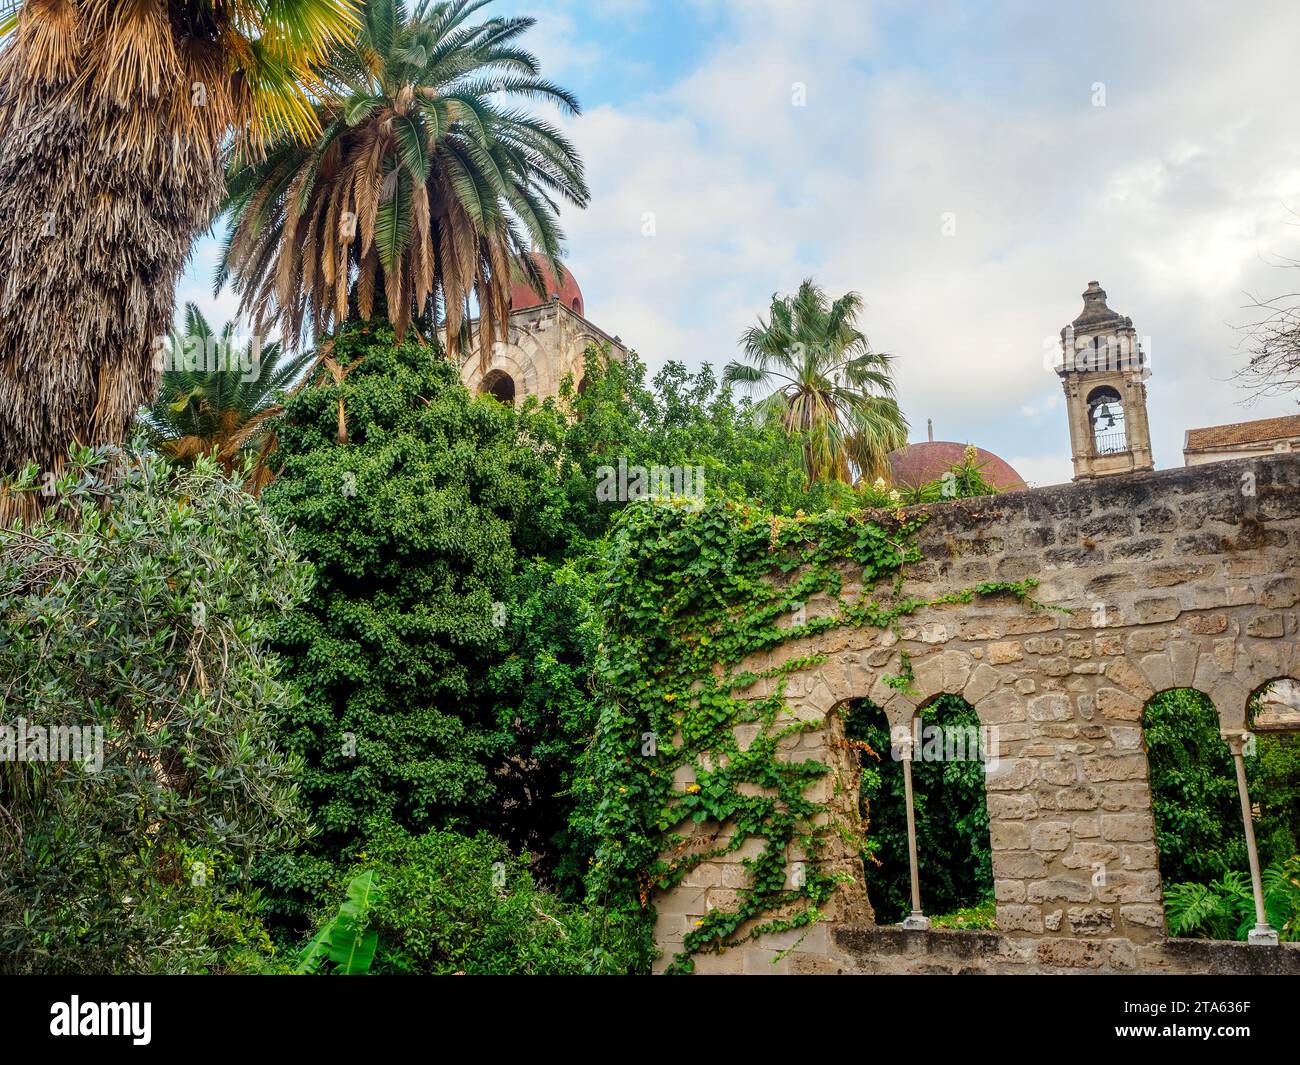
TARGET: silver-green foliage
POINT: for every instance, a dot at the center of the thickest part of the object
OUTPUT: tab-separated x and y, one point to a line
140	605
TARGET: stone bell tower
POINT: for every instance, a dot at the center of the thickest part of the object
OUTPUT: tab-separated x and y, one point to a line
1103	369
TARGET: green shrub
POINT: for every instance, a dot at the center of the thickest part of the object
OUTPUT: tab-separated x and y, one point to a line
140	606
443	903
1225	908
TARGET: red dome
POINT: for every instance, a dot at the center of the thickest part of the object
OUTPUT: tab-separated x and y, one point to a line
919	464
522	294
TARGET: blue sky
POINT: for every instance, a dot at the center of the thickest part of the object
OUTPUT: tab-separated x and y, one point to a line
1173	186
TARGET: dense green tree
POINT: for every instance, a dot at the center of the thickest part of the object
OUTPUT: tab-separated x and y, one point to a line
416	526
1194	791
678	419
1193	788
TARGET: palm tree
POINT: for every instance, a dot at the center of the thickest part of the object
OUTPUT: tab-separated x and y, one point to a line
829	386
217	400
114	117
425	190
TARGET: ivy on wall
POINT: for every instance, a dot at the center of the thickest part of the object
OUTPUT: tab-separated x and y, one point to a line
688	595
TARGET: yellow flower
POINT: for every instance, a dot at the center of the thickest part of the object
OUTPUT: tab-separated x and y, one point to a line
692	789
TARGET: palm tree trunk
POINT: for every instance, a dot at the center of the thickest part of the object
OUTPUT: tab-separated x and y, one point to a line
100	200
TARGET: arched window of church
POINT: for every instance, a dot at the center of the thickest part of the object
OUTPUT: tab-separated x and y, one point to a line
1106	418
499	385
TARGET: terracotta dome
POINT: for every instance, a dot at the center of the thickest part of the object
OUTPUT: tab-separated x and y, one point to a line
567	290
919	464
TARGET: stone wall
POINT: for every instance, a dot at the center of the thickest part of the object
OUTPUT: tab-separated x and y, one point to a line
1178	578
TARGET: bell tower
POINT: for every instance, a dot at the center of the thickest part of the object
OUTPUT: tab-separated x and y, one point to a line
1103	370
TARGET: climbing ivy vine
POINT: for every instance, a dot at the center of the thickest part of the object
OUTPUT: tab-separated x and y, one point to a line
688	595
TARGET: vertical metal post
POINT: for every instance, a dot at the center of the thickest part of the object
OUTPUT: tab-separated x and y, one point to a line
1263	934
916	920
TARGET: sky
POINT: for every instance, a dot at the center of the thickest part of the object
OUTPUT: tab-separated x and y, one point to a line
966	167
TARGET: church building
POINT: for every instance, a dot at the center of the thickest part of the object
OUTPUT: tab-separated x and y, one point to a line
546	340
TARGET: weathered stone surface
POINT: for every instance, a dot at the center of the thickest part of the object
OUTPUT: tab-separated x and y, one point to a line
1126	828
1266	625
1009	836
1020	918
1117	705
1050	836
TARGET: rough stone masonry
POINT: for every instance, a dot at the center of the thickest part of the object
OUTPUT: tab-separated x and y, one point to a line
1179	578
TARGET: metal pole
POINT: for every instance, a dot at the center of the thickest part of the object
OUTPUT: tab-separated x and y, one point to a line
1263	934
916	919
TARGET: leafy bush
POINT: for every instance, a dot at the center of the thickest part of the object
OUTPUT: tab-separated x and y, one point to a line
140	606
1225	908
443	902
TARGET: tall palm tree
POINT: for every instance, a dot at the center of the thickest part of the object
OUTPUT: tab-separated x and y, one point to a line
828	385
217	399
425	189
114	116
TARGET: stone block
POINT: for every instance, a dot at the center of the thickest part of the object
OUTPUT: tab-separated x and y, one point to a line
1126	828
1013	918
1053	706
1050	836
1153	611
1059	889
1266	625
983	680
1017	865
1009	836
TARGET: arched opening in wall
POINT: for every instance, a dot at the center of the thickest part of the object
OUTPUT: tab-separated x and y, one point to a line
1272	760
954	858
1193	788
1106	420
498	384
1196	801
